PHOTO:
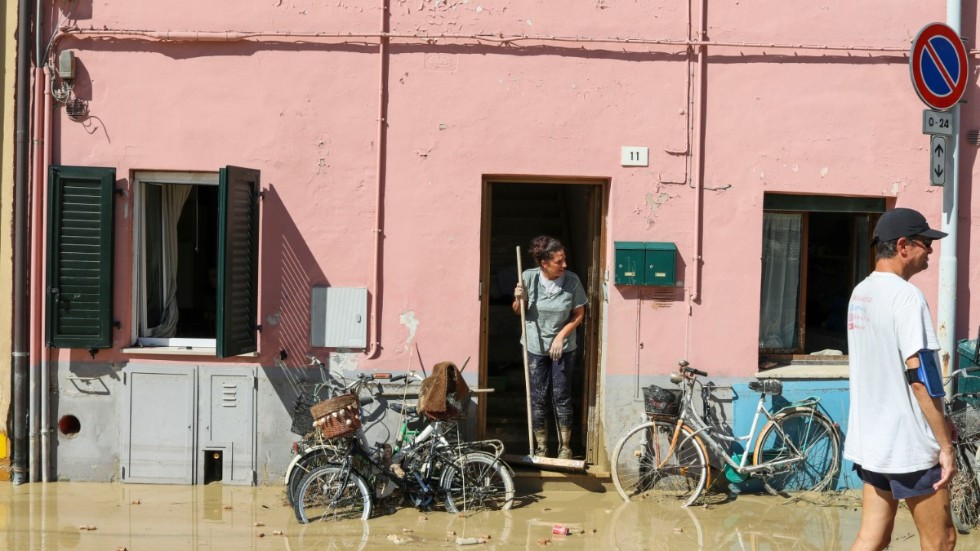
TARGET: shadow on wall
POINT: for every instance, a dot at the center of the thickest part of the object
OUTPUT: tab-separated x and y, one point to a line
289	271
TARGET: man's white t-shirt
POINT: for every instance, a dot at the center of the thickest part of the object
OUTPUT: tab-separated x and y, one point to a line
888	321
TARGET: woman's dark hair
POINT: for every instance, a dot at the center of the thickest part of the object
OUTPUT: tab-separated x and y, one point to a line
543	247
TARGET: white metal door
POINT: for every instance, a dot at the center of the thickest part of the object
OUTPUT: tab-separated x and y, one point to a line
159	425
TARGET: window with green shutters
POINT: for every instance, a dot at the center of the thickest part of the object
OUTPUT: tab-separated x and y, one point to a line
79	266
195	254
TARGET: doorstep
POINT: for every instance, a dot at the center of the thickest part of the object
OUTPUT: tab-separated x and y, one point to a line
533	480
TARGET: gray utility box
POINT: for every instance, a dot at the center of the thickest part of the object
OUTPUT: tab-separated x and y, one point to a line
339	317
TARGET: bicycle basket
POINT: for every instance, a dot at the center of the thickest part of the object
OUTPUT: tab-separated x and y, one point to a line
661	401
967	422
302	418
338	416
444	394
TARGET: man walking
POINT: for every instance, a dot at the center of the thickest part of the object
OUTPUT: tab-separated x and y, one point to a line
897	434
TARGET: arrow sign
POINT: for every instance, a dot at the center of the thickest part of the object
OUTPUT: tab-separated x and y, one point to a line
937	160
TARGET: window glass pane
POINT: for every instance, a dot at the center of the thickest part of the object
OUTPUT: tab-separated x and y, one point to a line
197	264
828	266
180	241
862	248
153	253
781	240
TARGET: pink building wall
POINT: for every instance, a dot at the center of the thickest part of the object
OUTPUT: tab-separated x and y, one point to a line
842	121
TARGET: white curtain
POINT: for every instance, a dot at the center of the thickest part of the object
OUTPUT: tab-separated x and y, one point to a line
173	198
781	239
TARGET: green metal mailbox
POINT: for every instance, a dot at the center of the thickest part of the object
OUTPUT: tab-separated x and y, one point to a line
630	263
661	259
645	263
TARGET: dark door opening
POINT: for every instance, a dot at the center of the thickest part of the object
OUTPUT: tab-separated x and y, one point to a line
514	213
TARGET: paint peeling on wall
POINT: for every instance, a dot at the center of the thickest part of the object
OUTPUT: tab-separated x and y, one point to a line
654	200
274	319
344	362
440	62
408	320
824	171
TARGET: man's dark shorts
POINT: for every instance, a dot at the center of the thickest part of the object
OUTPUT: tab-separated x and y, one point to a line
903	485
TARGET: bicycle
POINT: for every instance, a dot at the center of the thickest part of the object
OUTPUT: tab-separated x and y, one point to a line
429	469
666	456
964	413
313	450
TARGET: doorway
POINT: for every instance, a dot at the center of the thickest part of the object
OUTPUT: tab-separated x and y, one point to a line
514	212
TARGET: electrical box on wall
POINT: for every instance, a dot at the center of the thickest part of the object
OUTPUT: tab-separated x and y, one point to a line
645	263
339	317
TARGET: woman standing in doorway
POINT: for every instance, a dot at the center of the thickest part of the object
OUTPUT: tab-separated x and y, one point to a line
556	306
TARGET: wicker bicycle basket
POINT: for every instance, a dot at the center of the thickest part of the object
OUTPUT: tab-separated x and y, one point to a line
661	402
302	418
338	416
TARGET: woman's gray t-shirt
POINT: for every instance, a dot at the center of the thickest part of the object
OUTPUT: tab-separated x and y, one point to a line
548	312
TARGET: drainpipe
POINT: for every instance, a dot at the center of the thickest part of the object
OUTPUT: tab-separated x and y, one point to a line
697	174
42	159
946	311
19	355
376	283
36	383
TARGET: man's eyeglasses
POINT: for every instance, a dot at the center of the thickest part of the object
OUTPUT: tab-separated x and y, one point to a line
924	241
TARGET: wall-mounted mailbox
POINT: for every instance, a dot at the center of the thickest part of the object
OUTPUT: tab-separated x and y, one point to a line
645	263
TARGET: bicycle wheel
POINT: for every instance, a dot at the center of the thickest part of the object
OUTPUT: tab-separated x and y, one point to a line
307	463
477	481
964	495
649	463
332	493
803	431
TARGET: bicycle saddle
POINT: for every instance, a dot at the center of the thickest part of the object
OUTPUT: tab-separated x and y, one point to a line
767	386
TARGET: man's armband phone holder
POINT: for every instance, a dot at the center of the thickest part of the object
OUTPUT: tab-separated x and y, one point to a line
927	374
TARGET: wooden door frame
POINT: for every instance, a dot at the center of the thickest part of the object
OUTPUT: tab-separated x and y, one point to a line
591	413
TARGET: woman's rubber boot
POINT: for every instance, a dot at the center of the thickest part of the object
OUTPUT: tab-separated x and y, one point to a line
565	451
541	442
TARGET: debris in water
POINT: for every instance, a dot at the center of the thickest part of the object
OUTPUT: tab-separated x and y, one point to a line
559	530
277	532
260	535
257	524
469	541
423	517
135	502
87	527
544	541
399	540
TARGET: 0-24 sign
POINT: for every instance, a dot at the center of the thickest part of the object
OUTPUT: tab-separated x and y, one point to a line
937	122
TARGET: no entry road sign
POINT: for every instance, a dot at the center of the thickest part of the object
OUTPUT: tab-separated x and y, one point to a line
938	66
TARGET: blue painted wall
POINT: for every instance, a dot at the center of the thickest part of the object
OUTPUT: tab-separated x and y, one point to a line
834	401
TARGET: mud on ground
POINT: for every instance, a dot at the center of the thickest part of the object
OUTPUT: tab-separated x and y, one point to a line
134	517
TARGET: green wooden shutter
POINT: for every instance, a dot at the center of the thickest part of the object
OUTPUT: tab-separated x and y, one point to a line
79	261
238	261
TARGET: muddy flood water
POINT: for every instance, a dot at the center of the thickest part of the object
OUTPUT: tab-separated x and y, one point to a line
115	517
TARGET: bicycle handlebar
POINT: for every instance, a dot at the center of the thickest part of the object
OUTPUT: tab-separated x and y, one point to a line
693	371
686	368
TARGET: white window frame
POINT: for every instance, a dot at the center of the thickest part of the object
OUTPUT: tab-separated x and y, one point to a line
139	325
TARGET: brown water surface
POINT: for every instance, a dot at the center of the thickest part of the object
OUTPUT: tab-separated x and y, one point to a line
110	517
